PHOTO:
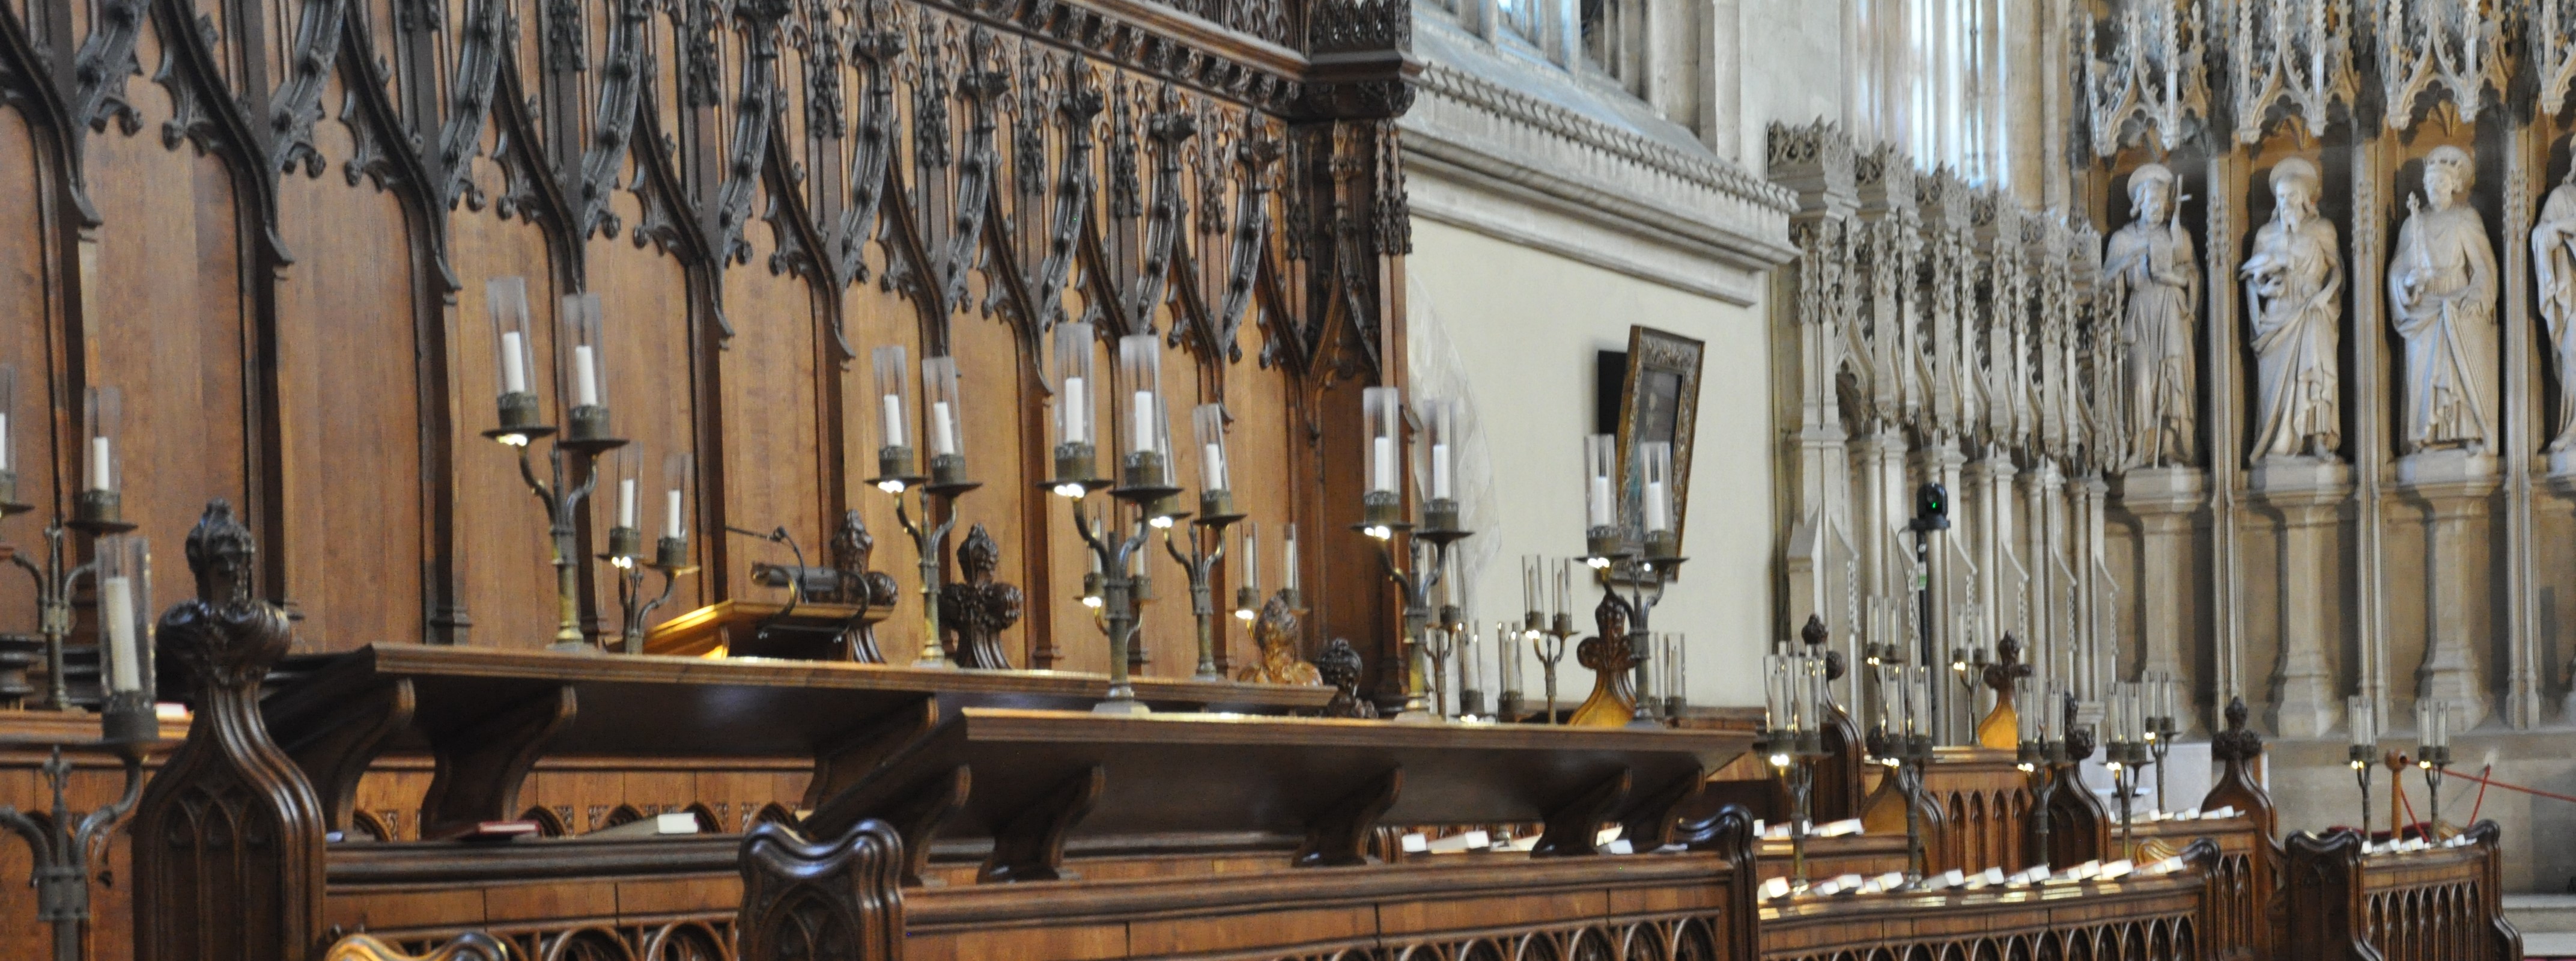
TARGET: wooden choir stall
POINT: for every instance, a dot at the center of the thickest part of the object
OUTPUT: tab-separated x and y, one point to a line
747	480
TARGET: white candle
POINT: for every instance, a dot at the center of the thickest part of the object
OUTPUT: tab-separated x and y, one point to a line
893	419
1289	559
1655	519
4	440
585	376
671	522
116	611
1141	434
626	502
514	363
1212	467
1383	477
1597	504
1440	472
101	478
943	430
1077	410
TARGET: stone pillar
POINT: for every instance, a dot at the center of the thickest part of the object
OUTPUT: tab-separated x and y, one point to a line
2163	500
2302	496
2449	486
2099	647
2043	490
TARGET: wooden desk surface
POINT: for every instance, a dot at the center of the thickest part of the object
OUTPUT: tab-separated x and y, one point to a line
1214	773
656	706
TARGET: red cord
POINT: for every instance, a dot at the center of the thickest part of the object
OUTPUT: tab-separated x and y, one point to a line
2525	790
2482	792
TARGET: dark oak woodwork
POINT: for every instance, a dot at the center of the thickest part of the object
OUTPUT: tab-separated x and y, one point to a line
1029	845
1574	825
228	853
334	740
839	899
482	762
1339	836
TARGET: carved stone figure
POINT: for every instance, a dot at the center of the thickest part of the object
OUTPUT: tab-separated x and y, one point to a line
2293	302
2151	263
1339	666
2553	259
975	611
2442	288
1276	635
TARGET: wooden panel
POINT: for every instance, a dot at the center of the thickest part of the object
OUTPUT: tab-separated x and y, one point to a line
995	382
27	323
348	388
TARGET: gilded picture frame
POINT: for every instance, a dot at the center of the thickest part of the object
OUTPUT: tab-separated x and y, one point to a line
1658	400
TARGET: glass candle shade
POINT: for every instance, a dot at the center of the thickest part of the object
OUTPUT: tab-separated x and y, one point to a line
125	617
894	431
1148	446
2362	720
1207	429
8	440
1247	590
625	530
1655	467
947	433
679	480
103	461
1076	444
1382	505
1600	498
1440	464
584	377
513	353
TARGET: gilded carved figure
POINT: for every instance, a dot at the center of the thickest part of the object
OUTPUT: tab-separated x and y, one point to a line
2442	286
2293	285
2151	263
1275	633
2553	261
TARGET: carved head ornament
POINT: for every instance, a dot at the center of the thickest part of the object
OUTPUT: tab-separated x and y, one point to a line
2151	180
978	556
851	543
219	554
1340	665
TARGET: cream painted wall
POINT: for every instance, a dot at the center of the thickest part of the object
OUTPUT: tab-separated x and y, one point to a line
1524	326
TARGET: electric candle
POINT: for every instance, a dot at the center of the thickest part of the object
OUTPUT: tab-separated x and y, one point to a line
514	362
105	414
890	364
1077	403
677	475
1380	406
1599	506
585	372
893	404
671	520
1207	426
1140	431
116	613
1288	560
626	502
1251	553
943	429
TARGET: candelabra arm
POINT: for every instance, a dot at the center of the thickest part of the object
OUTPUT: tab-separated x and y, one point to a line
528	473
99	827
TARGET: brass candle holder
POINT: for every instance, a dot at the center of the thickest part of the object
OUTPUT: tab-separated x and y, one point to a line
1549	647
1199	563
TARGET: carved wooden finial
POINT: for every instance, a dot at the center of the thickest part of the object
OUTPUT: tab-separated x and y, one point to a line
978	610
1814	633
851	545
219	554
2237	743
1339	665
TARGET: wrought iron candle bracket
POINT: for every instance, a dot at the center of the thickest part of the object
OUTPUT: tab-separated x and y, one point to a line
1117	586
1549	646
1437	644
562	499
1793	756
54	582
2041	764
2435	762
633	606
2160	735
1646	578
66	846
1200	563
1414	580
929	539
2125	758
2362	758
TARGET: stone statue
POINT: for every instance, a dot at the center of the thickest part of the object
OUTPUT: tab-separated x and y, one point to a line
1275	633
2553	260
2151	262
2293	302
2442	286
